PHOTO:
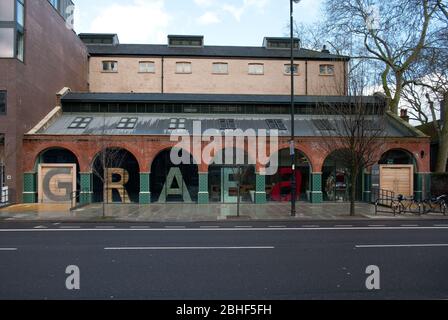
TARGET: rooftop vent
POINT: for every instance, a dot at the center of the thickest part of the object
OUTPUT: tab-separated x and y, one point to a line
185	41
99	38
325	50
280	43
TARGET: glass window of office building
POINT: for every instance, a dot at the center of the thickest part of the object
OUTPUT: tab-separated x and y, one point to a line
7	10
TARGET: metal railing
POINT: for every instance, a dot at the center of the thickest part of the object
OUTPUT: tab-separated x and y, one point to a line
382	198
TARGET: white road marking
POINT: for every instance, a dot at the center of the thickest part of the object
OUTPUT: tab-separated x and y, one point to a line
228	229
441	225
40	227
402	246
8	249
189	248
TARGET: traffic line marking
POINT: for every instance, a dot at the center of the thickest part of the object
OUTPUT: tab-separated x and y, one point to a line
402	246
187	248
8	249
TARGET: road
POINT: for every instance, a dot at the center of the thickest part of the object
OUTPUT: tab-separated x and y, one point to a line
226	261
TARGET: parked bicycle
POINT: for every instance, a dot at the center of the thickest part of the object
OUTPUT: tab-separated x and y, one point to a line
436	205
403	205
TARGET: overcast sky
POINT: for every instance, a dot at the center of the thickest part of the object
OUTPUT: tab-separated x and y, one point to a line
222	22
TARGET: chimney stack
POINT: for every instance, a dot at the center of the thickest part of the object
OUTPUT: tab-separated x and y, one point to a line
325	50
404	115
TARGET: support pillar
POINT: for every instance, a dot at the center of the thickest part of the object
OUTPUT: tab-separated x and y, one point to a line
316	188
86	192
203	195
260	192
422	185
29	187
145	188
367	191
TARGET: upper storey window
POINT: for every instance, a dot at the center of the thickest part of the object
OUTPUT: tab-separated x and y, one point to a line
326	70
184	67
110	66
220	68
147	67
7	10
20	12
295	69
256	68
2	102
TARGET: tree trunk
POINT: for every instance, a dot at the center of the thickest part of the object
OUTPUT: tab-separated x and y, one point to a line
353	179
395	102
442	157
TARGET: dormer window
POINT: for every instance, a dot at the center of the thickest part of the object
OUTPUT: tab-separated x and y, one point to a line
185	41
280	43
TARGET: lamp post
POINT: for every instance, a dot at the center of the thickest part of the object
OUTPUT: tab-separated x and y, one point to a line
292	142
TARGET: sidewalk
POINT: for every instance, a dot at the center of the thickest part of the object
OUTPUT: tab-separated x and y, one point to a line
197	213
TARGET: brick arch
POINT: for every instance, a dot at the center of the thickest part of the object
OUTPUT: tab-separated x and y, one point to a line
95	152
149	160
417	163
301	150
31	157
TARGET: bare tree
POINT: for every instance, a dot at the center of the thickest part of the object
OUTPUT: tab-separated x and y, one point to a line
108	158
392	34
353	133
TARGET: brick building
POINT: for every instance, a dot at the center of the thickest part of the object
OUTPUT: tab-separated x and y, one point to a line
39	55
115	142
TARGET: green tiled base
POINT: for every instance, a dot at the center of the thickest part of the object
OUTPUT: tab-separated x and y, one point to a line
203	198
317	197
30	197
260	198
316	188
145	198
85	198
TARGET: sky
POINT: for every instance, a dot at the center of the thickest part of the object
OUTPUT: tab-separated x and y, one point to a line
222	22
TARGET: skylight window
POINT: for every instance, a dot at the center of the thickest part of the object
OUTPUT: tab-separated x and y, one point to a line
176	124
276	125
127	123
80	123
227	124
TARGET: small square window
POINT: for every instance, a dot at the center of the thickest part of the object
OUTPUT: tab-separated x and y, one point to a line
177	124
276	125
80	123
110	66
183	67
288	69
147	67
326	69
127	123
220	68
256	68
227	124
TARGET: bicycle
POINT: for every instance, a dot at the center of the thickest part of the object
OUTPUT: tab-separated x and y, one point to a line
403	205
436	205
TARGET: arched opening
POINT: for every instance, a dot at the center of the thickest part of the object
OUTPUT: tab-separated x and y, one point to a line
57	179
336	178
116	177
174	183
230	169
278	186
397	156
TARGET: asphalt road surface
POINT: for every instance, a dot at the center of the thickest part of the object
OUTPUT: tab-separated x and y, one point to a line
228	261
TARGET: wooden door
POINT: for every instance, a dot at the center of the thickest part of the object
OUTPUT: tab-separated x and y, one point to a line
397	178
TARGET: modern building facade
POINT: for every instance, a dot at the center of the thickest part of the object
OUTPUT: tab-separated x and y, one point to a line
39	55
147	103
